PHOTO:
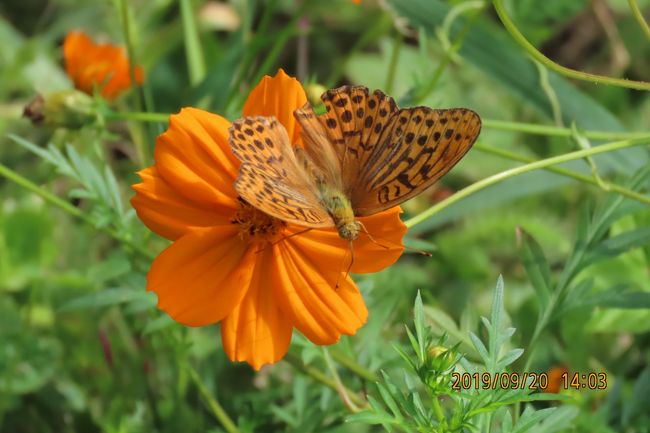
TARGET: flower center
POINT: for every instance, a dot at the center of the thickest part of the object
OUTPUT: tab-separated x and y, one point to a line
255	226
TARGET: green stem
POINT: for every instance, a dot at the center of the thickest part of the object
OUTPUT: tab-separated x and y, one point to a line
139	140
372	33
392	66
340	388
137	116
315	374
565	172
499	125
290	30
193	50
449	54
563	70
217	410
507	174
639	17
352	365
68	208
554	131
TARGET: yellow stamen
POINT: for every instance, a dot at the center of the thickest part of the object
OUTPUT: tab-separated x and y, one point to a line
255	226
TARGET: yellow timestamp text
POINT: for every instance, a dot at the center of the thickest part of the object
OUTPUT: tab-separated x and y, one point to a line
527	380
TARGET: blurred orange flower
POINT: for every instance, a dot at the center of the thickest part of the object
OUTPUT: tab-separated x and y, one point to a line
233	264
103	66
555	379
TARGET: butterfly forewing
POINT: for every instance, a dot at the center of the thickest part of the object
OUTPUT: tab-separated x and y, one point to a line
271	178
353	122
416	148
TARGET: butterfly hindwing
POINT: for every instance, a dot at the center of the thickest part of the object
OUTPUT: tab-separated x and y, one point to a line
271	178
416	148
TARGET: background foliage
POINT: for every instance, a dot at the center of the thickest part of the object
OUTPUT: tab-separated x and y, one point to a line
83	348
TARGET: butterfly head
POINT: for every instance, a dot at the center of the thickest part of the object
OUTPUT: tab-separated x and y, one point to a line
349	230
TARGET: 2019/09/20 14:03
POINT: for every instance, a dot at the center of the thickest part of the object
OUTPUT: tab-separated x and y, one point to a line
464	381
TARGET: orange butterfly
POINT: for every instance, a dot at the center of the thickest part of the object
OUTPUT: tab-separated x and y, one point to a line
363	156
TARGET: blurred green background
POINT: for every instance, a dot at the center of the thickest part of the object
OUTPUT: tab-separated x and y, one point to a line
82	346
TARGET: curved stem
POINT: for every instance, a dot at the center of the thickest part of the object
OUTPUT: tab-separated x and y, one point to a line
68	208
500	125
500	177
565	172
555	131
315	374
137	134
353	366
567	72
639	17
214	406
136	115
340	388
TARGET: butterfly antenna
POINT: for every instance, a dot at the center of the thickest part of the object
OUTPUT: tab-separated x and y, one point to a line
284	238
365	231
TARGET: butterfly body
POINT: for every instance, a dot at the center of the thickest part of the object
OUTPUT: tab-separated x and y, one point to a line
339	208
361	157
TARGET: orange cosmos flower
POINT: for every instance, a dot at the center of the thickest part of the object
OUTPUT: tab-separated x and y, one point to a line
233	264
91	65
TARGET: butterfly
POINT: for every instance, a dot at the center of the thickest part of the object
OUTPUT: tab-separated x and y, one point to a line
361	157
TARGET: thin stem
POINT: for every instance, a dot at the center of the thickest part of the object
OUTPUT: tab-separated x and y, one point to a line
193	49
140	143
315	374
567	72
138	116
353	366
340	388
554	131
500	125
449	55
68	208
392	65
290	30
500	177
565	172
217	410
371	34
639	17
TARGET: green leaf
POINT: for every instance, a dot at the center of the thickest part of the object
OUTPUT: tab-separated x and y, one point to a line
104	298
615	298
640	400
617	245
193	48
537	268
158	324
419	325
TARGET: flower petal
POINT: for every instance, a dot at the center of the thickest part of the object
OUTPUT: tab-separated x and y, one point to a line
330	251
277	96
257	331
104	66
202	276
308	294
168	213
194	158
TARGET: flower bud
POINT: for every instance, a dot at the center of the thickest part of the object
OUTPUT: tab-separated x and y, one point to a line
313	91
68	109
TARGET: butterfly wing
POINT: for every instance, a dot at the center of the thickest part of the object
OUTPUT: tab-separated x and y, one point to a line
352	124
271	177
416	148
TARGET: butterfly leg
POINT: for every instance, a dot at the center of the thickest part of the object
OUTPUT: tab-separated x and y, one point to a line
347	272
284	238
